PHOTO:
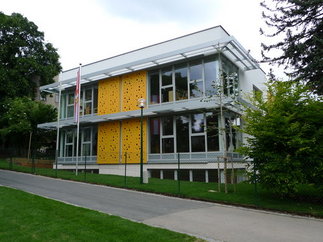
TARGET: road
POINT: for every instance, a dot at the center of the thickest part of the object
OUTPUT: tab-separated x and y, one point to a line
210	221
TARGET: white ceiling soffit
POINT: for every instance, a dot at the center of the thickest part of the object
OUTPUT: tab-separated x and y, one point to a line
227	45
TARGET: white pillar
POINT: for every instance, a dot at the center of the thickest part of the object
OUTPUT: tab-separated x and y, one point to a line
206	176
222	176
175	175
161	174
191	175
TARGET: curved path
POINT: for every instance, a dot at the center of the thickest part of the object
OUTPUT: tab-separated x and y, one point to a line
206	220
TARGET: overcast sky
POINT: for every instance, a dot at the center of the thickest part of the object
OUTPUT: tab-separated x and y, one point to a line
85	31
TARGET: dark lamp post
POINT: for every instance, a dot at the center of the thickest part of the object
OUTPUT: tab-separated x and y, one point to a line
141	104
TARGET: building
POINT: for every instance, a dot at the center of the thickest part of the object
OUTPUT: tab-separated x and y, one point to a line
185	81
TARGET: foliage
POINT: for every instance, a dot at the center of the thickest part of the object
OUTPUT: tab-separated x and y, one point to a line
21	117
25	58
300	23
286	137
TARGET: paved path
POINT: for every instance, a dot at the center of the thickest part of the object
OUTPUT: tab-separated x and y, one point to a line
202	219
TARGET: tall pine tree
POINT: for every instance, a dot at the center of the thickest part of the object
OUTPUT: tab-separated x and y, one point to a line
300	23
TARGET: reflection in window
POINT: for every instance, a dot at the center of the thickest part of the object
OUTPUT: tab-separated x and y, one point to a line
167	127
212	132
182	133
196	81
168	145
155	135
196	89
198	123
154	88
198	143
167	94
211	76
181	82
167	77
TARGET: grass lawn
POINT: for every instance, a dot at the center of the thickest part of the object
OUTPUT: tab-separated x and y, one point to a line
27	217
311	204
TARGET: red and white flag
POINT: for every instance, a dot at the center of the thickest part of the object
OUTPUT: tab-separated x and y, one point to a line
77	96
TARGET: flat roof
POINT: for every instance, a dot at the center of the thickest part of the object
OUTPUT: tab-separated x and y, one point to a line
202	43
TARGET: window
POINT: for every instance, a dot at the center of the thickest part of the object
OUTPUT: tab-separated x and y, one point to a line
88	142
167	135
154	135
154	87
88	102
184	133
181	82
230	78
211	76
196	81
212	132
198	135
70	105
167	86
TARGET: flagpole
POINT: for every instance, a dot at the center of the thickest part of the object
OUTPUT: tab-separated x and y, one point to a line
58	117
77	115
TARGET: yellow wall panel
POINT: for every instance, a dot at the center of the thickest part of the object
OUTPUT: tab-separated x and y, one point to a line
108	142
131	140
109	96
133	88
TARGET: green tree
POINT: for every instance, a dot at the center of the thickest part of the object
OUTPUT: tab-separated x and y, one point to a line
20	121
286	137
298	24
26	60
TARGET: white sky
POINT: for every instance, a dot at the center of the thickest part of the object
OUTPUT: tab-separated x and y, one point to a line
85	31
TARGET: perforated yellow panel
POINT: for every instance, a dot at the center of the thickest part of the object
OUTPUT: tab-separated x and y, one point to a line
109	96
131	140
133	88
108	142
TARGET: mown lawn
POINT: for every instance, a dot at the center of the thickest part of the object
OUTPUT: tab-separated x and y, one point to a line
309	202
27	217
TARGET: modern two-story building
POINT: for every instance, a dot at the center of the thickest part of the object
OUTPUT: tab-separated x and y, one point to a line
192	86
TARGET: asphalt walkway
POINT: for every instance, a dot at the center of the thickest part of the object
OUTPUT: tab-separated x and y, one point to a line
210	221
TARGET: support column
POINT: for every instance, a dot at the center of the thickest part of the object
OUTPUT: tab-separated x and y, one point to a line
206	176
161	174
191	175
175	175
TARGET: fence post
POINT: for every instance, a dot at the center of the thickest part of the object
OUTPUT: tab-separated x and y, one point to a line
10	164
85	168
219	176
125	168
232	175
178	174
56	161
33	162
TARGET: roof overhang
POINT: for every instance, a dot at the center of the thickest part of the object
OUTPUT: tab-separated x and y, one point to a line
203	43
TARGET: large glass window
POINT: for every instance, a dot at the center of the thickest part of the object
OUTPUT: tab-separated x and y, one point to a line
70	105
88	102
155	135
211	76
230	77
196	79
154	87
197	132
167	85
167	135
212	132
181	82
88	142
183	134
